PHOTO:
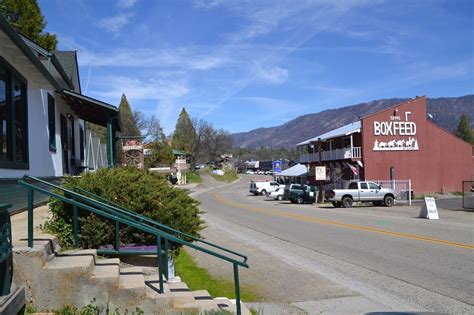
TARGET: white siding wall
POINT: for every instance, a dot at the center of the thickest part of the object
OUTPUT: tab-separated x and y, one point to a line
42	161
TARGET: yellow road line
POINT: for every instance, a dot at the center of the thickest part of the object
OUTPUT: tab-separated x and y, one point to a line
279	213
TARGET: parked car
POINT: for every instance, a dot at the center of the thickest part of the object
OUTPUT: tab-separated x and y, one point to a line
249	172
363	192
277	194
297	193
262	187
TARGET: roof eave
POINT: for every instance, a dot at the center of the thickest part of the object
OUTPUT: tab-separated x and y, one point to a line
15	37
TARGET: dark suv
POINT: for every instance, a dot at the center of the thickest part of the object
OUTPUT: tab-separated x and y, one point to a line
297	193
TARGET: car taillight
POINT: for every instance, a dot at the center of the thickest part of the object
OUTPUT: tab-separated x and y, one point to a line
331	194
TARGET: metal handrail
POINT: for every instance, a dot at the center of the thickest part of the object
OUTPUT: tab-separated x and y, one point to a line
111	213
142	218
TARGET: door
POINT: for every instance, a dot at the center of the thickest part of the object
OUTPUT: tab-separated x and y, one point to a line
65	145
364	192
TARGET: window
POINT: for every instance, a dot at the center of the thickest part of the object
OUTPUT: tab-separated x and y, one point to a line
13	118
374	186
51	123
353	185
363	186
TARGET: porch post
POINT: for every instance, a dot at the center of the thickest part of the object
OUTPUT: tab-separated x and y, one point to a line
352	147
110	143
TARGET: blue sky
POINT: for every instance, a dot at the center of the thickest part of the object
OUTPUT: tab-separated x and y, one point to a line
247	64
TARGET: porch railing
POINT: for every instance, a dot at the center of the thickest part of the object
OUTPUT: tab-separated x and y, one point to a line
331	155
122	216
6	264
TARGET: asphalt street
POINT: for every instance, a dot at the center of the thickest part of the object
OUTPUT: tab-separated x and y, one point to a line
318	259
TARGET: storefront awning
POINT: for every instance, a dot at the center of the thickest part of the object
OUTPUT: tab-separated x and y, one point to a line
339	132
294	171
92	110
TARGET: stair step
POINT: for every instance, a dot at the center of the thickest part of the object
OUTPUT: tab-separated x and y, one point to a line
152	283
131	278
243	308
178	287
202	306
225	304
43	246
76	264
201	295
81	252
107	270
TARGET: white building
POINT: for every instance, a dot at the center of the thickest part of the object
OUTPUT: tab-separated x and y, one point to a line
42	110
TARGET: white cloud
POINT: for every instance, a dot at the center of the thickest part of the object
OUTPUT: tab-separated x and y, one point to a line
271	74
186	58
115	23
126	3
112	87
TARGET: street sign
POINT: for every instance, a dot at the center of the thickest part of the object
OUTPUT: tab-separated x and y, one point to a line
320	172
429	209
277	166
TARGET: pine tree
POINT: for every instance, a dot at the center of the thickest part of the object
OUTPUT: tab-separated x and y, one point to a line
25	16
184	137
464	130
129	124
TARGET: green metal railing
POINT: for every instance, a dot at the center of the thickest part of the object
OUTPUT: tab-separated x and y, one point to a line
123	216
6	263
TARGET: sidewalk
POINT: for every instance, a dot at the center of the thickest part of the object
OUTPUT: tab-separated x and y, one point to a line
20	224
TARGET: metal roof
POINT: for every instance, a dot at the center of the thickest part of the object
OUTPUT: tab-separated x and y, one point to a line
342	131
297	170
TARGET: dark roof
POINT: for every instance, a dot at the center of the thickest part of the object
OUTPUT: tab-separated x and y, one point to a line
67	59
18	40
179	152
92	110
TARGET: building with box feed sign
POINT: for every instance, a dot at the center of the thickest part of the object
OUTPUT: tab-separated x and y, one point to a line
397	143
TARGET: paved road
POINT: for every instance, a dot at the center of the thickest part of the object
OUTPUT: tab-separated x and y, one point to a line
309	259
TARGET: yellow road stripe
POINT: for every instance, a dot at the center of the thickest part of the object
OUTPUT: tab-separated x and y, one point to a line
218	198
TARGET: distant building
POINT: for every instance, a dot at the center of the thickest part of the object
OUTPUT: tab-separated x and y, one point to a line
401	139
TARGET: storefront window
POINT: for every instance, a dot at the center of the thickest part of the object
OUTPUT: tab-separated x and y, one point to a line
13	118
20	121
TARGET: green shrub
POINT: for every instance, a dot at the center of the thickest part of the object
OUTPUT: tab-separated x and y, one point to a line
144	192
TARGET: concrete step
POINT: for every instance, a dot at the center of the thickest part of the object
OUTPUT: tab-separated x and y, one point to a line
152	283
44	247
132	279
107	271
225	304
243	308
83	264
81	252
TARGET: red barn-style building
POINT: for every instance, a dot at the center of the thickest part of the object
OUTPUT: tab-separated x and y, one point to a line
400	137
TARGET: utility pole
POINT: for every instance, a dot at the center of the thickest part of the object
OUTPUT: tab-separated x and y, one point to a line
320	194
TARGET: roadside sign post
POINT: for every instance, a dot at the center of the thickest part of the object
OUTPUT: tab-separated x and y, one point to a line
429	209
277	166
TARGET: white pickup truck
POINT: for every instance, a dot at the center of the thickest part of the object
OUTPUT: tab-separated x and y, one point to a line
361	192
262	187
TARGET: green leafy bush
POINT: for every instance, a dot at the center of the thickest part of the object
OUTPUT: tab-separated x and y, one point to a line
146	193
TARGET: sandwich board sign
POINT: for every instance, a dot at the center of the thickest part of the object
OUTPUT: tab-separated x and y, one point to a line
320	172
429	209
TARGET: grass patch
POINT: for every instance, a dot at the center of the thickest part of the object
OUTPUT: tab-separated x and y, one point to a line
229	176
198	278
193	178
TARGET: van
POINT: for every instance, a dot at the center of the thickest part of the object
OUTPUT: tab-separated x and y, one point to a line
262	187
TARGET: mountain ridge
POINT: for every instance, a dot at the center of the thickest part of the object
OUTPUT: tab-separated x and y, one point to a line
287	135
